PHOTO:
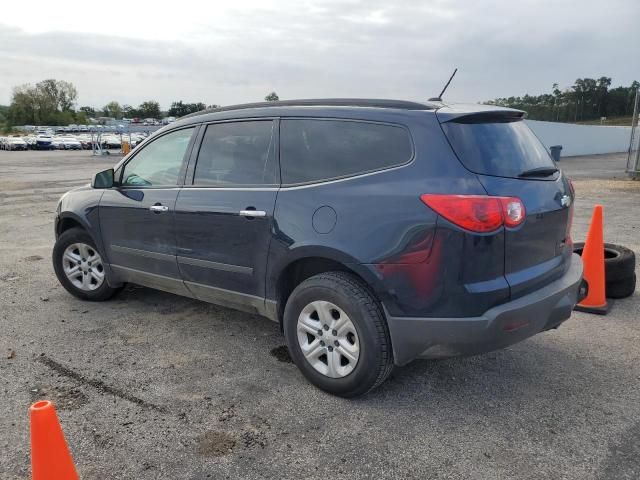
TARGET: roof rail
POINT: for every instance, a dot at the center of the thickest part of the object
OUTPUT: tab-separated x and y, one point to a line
326	102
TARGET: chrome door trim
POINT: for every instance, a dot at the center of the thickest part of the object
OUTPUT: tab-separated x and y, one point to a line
242	189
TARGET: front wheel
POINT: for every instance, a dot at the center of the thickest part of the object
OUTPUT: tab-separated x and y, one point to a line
79	266
337	335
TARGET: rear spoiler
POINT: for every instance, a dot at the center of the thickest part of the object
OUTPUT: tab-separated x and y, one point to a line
492	115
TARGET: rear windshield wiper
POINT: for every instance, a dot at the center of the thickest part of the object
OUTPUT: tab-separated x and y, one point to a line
538	172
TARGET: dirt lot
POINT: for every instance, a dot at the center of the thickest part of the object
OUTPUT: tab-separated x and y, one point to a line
150	385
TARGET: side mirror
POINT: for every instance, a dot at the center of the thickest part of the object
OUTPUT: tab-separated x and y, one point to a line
103	179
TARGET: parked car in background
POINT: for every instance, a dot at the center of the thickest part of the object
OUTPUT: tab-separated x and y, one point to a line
373	231
44	142
86	142
57	143
110	141
14	143
70	143
31	142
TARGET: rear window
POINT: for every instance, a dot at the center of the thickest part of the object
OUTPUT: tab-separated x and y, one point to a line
503	149
313	150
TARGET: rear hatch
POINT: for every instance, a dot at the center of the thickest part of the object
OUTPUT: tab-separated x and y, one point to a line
510	161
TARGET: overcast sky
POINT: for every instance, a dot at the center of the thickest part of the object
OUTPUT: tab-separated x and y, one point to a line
238	51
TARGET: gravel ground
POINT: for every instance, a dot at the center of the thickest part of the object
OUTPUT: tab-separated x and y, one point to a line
151	385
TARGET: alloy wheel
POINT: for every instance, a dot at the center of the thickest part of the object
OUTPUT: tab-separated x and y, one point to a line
328	339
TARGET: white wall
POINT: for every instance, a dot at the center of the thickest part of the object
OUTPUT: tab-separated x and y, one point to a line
582	139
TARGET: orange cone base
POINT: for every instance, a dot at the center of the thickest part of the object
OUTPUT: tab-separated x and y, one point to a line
598	310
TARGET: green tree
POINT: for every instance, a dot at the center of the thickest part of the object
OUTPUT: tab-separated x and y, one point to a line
149	109
586	99
81	118
59	94
112	109
179	109
88	111
4	112
272	97
42	103
129	112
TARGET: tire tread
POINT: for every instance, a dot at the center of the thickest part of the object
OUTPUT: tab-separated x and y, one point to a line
104	292
359	293
357	290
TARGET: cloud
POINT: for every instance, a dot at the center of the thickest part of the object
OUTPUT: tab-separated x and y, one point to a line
236	53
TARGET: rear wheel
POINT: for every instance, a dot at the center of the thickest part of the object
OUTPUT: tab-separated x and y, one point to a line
337	334
79	266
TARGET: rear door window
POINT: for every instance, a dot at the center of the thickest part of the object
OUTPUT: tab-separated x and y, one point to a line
237	153
313	150
499	148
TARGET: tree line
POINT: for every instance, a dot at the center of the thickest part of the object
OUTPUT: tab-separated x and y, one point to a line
53	102
49	102
586	99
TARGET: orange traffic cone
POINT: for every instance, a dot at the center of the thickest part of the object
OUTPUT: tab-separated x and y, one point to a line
50	457
593	261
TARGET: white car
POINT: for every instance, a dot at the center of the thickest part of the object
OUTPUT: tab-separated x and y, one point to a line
31	141
15	143
71	143
111	141
57	143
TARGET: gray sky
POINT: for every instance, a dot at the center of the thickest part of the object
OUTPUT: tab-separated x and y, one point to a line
238	51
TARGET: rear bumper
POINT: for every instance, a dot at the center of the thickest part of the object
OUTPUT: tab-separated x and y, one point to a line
497	328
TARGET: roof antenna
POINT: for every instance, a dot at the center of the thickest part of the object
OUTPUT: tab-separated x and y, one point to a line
439	97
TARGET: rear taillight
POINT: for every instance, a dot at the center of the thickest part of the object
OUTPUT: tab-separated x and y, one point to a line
477	213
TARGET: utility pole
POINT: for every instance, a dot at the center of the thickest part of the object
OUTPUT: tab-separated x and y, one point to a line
633	164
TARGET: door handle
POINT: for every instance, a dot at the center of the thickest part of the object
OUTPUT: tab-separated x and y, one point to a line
253	213
158	208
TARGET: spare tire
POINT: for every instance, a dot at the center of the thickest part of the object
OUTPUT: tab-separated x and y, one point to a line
619	261
621	288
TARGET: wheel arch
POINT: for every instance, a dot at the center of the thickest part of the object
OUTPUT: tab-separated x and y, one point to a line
68	221
307	262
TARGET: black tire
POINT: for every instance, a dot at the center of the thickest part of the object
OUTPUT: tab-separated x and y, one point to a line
78	235
619	261
346	291
622	288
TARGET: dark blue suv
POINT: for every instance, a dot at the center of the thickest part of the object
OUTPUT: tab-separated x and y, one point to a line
374	231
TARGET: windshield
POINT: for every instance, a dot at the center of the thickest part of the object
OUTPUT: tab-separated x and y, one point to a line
503	149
